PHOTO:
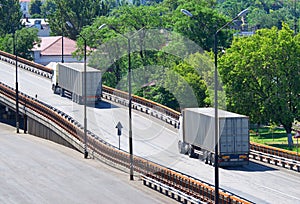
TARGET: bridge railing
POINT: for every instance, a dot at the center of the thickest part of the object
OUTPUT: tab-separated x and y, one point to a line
26	64
155	109
184	183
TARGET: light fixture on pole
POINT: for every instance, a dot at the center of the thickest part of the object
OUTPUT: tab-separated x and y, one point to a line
85	152
216	159
295	17
85	91
62	43
17	86
129	96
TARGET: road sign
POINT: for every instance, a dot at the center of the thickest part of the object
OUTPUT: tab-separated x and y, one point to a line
119	131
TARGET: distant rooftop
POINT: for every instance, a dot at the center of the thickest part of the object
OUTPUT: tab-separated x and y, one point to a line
52	46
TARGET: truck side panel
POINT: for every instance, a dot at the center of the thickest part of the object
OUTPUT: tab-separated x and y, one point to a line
70	79
198	130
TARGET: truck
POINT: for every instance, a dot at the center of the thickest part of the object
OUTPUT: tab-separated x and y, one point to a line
197	136
68	80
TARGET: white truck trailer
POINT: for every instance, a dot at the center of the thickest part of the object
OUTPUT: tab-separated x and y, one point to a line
197	136
68	80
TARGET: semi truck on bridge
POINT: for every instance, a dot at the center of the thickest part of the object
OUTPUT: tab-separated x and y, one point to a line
67	80
197	136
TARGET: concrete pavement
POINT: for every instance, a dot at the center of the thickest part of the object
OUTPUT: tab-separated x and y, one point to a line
34	170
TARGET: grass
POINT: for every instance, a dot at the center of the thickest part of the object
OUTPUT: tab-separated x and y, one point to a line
276	138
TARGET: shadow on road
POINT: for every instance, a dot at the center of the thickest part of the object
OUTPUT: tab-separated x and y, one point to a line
105	105
252	167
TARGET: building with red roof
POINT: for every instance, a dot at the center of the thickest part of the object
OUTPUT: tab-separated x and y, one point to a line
50	50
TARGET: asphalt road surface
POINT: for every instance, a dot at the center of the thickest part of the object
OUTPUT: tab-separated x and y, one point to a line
34	170
157	141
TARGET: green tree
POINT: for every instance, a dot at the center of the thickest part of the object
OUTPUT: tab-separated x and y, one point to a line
48	7
25	38
201	27
263	13
260	74
10	16
79	13
130	21
35	8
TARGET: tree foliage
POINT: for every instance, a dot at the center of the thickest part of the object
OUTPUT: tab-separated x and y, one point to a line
25	38
10	28
263	13
10	16
78	13
35	8
261	76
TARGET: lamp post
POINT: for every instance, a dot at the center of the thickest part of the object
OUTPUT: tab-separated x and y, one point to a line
85	153
129	96
130	103
17	86
85	90
62	44
295	17
216	159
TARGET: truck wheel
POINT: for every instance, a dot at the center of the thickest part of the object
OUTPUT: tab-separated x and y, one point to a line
73	97
205	157
62	92
54	89
213	159
191	152
80	100
181	147
210	156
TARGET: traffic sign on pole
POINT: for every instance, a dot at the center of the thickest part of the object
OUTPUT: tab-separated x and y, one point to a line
119	131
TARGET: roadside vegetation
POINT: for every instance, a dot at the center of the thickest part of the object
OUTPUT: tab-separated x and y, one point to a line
273	136
259	71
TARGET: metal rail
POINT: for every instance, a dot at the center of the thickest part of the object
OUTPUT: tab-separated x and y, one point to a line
276	160
260	152
268	154
26	64
176	180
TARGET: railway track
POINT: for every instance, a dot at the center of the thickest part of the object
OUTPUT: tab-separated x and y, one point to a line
191	190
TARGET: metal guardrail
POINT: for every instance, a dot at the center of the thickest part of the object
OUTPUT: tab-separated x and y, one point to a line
169	191
144	105
176	180
26	64
274	151
276	160
162	112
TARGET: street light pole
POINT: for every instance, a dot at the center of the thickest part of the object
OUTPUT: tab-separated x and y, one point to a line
216	126
17	86
84	95
216	163
85	90
295	17
129	97
85	119
130	110
62	45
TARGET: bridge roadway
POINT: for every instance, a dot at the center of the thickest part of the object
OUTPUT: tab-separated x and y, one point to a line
157	141
34	170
